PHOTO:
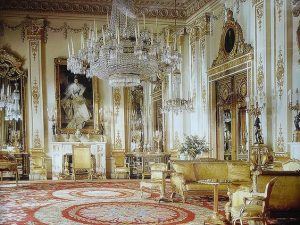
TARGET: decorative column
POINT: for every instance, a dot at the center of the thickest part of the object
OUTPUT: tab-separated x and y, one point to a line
35	102
118	126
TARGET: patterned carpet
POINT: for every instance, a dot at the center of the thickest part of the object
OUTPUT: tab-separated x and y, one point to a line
104	203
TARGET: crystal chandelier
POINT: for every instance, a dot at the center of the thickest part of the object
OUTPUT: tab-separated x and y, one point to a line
171	57
122	54
10	102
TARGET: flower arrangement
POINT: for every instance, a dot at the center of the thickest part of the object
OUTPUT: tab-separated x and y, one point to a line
193	145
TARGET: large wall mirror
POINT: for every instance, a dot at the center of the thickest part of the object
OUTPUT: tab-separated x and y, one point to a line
12	99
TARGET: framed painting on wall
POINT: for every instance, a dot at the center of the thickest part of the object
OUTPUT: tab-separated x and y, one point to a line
77	101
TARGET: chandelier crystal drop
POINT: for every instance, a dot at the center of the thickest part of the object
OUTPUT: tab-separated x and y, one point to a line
10	102
122	54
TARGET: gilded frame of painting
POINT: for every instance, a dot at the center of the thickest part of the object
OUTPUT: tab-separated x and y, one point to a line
88	121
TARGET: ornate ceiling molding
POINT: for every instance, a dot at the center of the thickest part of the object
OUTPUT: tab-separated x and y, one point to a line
151	8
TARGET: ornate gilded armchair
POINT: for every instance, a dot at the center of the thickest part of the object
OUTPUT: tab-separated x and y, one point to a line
8	163
82	161
256	206
157	180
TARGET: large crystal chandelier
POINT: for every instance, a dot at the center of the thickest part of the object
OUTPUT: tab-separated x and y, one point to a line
171	56
10	102
122	54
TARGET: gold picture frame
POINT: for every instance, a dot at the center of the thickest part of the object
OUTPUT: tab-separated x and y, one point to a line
77	101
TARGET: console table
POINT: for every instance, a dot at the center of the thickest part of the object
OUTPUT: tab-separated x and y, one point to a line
58	151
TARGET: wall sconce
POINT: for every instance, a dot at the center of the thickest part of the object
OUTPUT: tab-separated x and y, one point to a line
293	105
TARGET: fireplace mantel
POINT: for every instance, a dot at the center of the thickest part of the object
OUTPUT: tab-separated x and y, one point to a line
57	150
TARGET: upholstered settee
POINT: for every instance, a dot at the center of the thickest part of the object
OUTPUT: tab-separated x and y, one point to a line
184	181
284	204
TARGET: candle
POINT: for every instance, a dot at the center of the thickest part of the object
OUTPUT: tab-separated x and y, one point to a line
69	50
81	40
103	36
152	36
107	20
138	29
126	20
144	21
135	33
168	34
290	96
2	91
72	45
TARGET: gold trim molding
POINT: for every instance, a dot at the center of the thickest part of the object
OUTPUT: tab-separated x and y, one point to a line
118	141
279	4
260	77
117	99
280	141
280	73
11	65
35	94
259	15
36	140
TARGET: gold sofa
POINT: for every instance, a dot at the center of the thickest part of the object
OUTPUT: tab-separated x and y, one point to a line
184	180
284	202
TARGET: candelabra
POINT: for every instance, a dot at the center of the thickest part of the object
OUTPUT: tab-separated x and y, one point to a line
293	105
254	109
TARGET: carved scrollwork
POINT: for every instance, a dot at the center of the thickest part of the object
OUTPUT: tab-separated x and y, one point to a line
11	65
280	73
117	99
260	77
232	44
280	140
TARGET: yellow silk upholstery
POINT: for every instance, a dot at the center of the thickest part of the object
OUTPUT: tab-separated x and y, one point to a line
285	194
187	169
82	161
216	170
238	172
187	173
284	198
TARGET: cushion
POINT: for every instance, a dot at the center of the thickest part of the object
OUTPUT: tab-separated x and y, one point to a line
187	170
211	170
239	172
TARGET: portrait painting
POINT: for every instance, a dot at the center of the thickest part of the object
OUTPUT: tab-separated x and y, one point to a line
75	100
229	40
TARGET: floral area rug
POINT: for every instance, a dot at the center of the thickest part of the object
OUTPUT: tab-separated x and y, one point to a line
101	203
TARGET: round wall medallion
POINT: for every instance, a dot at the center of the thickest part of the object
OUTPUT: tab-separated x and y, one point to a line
229	40
243	89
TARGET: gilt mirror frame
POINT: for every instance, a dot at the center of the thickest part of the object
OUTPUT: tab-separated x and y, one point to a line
90	105
11	70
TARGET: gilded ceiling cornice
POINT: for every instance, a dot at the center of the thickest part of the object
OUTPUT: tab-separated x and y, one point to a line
151	8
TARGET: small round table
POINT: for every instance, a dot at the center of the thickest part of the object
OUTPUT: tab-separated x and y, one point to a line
216	218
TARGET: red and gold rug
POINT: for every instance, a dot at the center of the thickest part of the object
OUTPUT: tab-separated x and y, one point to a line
101	203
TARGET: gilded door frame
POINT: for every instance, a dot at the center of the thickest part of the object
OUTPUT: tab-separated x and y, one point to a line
228	64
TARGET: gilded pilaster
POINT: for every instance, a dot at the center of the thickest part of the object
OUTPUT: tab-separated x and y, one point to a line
34	32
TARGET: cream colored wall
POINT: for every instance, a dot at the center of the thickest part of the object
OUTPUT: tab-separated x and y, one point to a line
277	119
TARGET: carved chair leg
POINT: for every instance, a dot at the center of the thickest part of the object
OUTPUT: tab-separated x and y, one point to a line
172	196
